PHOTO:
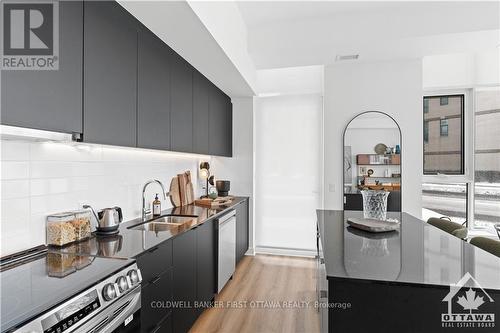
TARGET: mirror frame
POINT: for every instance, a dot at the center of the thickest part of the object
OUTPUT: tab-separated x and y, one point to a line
401	154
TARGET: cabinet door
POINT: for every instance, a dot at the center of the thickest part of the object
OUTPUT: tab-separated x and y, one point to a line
158	291
206	269
181	111
241	230
201	90
184	265
109	74
155	261
153	87
50	99
220	123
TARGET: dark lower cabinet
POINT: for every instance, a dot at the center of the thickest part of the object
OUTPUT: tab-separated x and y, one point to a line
241	229
206	264
156	298
157	284
50	99
109	74
153	92
184	262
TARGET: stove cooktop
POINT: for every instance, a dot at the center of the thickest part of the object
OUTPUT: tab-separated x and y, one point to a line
34	287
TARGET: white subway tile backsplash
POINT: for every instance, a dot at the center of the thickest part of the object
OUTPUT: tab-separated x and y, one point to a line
15	151
15	170
12	189
40	178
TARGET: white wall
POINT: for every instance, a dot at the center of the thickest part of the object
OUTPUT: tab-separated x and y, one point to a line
239	168
391	87
42	178
289	81
461	70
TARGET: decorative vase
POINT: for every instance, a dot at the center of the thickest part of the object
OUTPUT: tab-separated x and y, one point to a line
375	204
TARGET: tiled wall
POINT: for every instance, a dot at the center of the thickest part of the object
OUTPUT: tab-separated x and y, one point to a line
40	178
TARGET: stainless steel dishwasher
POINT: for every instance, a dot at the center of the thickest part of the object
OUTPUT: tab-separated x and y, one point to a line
226	248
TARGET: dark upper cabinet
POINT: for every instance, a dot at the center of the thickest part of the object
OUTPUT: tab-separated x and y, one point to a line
201	116
206	264
184	265
109	74
181	105
50	99
153	92
241	229
221	122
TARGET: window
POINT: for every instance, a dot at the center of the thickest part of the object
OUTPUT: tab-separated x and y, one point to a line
445	199
426	105
487	157
443	135
443	127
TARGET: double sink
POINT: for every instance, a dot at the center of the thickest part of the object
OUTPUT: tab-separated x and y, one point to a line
166	223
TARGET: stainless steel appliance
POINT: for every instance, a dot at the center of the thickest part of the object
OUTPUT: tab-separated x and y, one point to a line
226	248
103	296
108	219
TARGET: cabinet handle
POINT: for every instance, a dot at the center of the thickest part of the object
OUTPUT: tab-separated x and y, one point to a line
153	249
154	280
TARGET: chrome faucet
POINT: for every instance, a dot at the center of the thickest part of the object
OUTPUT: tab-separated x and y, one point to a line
146	211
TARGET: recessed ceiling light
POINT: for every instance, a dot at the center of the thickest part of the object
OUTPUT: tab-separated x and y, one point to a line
347	57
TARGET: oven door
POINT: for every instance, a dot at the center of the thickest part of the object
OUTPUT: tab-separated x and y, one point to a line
121	316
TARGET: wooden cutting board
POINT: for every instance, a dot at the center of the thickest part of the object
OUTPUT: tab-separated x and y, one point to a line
182	188
212	203
175	196
189	189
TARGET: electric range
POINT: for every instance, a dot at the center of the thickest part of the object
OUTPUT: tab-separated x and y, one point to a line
48	292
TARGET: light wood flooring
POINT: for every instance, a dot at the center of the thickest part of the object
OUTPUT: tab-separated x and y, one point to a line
264	281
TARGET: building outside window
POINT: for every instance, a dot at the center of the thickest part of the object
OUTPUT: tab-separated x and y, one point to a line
443	100
443	143
487	157
443	127
426	105
466	196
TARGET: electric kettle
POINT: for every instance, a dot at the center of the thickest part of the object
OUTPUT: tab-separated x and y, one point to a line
108	219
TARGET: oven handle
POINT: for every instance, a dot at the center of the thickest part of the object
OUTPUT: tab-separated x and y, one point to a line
135	296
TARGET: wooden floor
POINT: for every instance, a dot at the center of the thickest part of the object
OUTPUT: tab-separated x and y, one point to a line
264	282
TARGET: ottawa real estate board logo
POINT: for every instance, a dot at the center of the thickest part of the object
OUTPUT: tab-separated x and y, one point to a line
468	307
30	35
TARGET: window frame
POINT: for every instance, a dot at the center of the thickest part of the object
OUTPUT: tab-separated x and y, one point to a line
466	143
469	149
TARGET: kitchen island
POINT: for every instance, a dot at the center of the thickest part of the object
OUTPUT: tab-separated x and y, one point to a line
400	281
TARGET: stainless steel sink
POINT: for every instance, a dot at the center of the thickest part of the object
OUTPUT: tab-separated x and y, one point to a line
164	223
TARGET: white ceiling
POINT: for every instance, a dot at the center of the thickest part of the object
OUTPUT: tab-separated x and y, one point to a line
301	33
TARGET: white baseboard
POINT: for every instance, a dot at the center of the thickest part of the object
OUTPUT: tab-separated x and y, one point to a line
285	251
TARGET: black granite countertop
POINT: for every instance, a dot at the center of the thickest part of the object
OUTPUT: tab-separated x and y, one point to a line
129	243
418	253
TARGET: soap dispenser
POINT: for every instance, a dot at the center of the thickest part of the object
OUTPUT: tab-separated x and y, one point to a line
156	206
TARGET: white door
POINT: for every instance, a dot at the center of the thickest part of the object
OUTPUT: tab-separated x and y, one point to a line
287	171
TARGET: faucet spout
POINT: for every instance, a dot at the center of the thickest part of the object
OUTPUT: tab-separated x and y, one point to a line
146	211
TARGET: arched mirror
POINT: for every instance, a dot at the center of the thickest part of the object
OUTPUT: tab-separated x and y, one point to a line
372	159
